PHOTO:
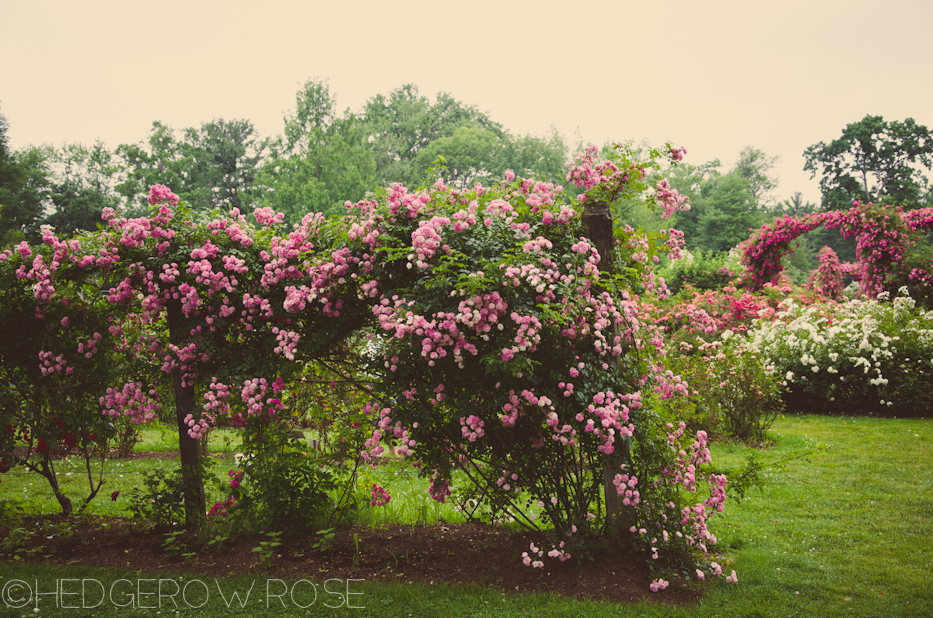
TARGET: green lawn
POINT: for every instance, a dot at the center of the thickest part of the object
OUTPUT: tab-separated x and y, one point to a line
848	534
162	437
410	502
850	531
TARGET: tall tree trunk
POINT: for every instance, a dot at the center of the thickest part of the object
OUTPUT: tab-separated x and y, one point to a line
597	219
188	447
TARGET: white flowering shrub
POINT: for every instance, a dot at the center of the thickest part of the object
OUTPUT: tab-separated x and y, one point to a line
872	357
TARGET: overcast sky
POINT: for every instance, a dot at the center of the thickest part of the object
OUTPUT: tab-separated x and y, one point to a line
710	76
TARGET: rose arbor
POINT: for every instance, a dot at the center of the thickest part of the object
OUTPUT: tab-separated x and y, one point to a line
503	343
884	234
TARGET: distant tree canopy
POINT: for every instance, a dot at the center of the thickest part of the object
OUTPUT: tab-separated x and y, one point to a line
212	166
24	188
324	158
82	187
874	161
725	205
321	160
408	133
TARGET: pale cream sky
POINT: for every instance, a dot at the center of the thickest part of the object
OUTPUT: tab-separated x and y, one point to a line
711	76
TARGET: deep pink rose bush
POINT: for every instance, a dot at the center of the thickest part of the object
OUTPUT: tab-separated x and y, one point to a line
829	276
916	272
695	313
884	237
767	247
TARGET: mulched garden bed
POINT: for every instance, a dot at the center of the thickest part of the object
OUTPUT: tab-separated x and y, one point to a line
473	553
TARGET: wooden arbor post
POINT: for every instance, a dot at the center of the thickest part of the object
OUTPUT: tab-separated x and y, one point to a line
597	220
189	449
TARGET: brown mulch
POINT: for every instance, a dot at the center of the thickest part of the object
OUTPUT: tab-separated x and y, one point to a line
473	553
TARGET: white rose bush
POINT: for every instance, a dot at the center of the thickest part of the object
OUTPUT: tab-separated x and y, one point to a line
859	357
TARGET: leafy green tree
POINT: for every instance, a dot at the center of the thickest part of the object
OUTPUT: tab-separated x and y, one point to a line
24	184
84	184
474	154
724	205
689	180
469	154
873	161
321	162
405	122
529	154
727	209
315	111
212	166
161	159
24	193
76	208
796	206
757	168
407	134
5	155
225	156
325	158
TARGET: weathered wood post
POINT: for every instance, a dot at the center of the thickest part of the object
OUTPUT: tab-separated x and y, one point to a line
188	448
597	220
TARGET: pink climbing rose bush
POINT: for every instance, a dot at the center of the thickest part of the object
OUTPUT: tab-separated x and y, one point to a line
494	286
540	317
884	235
828	276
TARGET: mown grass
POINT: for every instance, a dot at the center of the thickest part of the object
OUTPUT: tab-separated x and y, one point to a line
163	438
846	534
849	531
410	503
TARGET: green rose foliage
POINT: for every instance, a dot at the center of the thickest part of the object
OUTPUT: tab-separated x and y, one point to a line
736	395
703	271
285	487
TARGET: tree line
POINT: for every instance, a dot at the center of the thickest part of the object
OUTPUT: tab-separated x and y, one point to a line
321	160
324	158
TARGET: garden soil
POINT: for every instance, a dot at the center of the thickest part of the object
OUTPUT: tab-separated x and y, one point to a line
472	553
